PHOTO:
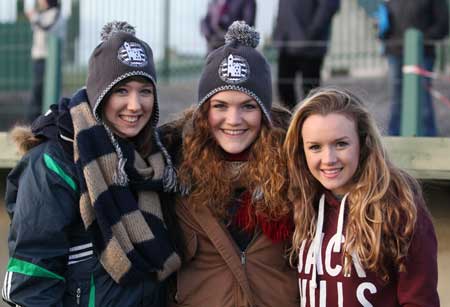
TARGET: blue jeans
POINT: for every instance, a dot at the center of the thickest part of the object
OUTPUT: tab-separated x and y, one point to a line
395	84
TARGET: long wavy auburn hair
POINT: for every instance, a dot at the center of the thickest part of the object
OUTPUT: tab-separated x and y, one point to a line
382	201
210	180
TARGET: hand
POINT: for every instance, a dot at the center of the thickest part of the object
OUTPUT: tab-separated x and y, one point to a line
30	14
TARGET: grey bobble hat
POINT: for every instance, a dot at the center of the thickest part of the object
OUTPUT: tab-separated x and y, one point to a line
238	66
119	55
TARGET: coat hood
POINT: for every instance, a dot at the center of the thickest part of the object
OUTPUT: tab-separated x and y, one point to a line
55	124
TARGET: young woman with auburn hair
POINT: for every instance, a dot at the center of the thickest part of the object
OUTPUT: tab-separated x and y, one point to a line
234	214
264	170
363	235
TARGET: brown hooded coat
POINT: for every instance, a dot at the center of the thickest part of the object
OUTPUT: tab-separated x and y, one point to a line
215	273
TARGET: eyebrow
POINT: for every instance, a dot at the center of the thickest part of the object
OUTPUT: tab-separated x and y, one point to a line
148	85
344	138
240	102
143	84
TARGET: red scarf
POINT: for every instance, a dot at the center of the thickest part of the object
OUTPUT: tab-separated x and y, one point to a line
246	218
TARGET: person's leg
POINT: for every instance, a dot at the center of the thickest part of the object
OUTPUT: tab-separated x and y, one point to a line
310	68
428	118
35	105
286	80
395	91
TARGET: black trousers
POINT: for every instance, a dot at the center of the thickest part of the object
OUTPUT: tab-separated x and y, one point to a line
288	67
34	108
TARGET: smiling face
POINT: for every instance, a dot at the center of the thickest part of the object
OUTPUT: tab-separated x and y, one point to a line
129	108
331	147
234	119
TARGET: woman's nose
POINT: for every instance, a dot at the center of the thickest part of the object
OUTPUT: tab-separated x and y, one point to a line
234	116
133	102
329	156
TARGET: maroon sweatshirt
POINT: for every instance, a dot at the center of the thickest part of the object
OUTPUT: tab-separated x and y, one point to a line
415	287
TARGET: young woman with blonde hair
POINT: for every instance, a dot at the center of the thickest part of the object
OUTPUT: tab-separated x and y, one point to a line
363	235
235	217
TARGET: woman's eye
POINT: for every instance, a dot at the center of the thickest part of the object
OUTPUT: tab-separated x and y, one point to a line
218	105
121	90
314	147
147	91
341	144
249	106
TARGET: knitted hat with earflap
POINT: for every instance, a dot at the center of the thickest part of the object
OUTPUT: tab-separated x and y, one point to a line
238	66
121	55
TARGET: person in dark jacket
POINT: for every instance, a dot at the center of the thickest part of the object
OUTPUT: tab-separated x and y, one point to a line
302	32
430	17
90	202
220	15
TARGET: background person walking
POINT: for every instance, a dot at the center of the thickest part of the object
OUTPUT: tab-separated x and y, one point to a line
44	21
221	14
431	18
302	32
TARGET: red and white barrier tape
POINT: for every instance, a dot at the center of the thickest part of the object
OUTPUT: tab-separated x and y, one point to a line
417	70
439	96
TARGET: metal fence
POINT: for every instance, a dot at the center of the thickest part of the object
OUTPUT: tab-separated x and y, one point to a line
354	47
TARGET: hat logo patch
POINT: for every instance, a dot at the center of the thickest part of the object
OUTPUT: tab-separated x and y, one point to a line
234	69
132	54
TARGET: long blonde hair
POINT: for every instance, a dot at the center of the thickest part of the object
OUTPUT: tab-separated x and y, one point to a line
205	171
382	202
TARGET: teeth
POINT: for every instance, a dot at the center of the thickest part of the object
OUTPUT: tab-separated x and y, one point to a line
331	171
233	132
130	119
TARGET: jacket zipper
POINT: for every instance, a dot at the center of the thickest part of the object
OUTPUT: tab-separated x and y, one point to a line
244	252
243	258
78	295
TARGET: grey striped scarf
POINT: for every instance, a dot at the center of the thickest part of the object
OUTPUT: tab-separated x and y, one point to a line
127	225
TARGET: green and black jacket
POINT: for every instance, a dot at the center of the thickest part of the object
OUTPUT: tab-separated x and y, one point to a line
51	258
